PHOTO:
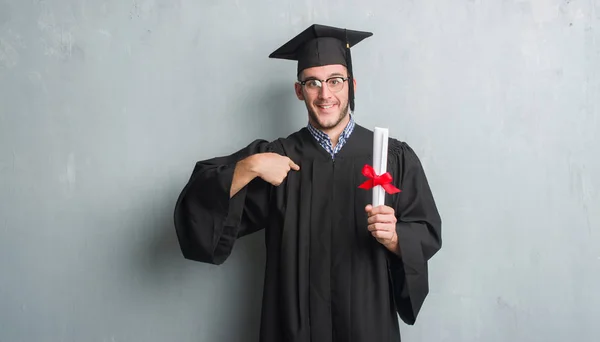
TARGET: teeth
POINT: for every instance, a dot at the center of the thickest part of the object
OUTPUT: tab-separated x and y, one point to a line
326	107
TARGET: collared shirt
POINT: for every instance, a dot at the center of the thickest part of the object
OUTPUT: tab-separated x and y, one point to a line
324	140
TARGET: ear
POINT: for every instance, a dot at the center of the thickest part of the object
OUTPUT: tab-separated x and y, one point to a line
354	84
298	89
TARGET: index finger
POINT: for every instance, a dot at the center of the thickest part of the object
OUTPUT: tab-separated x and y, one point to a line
293	165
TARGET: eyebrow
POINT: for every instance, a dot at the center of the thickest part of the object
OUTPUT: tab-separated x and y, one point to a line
335	74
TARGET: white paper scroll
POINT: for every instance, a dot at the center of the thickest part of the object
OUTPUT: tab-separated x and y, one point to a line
380	153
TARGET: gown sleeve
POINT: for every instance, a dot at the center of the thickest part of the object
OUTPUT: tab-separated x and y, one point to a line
419	232
207	221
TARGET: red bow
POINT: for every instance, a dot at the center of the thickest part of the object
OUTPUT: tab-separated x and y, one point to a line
385	180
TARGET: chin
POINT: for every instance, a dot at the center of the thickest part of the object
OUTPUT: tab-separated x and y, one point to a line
328	121
327	118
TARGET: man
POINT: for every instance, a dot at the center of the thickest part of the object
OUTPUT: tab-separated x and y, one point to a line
337	269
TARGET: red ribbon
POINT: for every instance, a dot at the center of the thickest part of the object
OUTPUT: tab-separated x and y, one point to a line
385	180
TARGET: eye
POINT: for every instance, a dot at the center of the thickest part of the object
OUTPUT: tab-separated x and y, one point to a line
313	83
336	81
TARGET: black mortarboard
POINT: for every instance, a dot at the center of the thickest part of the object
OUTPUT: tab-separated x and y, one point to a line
320	45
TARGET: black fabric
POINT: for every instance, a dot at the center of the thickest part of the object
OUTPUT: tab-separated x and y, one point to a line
326	279
320	45
321	51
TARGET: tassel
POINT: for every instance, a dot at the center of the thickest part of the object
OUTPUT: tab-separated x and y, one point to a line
350	74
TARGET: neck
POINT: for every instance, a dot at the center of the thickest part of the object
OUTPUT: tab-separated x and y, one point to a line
335	132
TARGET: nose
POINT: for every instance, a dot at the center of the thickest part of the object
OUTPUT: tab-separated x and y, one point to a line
324	92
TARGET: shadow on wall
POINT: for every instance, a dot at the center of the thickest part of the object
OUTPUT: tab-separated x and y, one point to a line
157	256
230	292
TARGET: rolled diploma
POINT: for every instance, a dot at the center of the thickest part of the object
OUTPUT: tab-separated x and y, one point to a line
380	149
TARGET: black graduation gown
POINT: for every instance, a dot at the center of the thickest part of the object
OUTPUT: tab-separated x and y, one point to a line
326	277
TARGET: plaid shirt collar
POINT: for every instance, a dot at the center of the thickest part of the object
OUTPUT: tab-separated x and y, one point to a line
324	140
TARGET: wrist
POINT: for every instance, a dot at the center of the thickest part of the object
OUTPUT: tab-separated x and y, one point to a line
393	241
250	165
393	246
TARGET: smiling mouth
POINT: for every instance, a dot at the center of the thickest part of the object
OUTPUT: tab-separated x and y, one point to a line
325	106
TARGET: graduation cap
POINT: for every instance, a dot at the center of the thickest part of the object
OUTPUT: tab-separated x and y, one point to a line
320	45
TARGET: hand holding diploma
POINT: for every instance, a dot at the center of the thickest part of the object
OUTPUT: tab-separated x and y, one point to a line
382	225
382	218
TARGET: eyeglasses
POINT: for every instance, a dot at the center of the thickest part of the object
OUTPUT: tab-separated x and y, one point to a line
335	84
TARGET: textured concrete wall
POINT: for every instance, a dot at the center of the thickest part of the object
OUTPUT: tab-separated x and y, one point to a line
106	105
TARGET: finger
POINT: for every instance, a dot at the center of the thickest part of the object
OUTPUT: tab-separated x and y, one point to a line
378	234
372	219
368	208
382	209
382	218
387	227
380	227
294	166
